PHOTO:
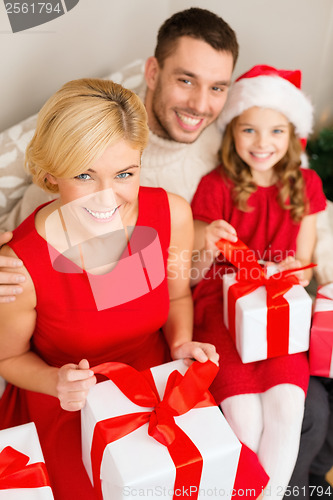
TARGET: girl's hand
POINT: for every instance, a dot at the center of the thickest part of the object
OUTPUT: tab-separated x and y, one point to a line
215	231
199	351
292	263
74	382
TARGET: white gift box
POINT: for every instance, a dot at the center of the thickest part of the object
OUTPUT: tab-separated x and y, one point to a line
251	320
24	439
138	465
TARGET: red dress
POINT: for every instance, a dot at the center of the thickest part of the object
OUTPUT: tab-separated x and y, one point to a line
270	231
69	328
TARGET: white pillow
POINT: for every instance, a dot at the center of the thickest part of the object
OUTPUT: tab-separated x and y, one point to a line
14	180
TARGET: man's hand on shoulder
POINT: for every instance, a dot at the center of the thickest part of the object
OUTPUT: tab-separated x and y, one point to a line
9	271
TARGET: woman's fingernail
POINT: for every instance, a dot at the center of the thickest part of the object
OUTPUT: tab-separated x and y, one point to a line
19	278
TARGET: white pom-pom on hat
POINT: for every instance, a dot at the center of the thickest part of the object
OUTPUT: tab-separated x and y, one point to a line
267	87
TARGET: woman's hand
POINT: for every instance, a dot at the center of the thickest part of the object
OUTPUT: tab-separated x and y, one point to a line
198	351
74	382
215	231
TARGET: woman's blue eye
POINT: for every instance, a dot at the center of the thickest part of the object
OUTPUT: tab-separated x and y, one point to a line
124	175
83	177
277	131
248	130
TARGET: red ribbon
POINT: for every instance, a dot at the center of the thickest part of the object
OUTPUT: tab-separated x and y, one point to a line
324	297
251	276
182	393
15	473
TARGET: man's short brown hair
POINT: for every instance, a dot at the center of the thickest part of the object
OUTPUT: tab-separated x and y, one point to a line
200	24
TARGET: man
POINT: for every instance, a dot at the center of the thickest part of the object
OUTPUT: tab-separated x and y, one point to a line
186	84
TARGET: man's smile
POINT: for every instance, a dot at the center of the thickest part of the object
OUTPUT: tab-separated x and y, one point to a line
189	121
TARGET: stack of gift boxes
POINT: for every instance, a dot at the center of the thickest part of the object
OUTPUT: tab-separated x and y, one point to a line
159	432
153	433
270	315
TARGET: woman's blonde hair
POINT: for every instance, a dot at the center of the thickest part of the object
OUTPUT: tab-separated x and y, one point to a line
290	179
78	123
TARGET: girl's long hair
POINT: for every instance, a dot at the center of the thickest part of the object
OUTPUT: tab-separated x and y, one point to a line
290	180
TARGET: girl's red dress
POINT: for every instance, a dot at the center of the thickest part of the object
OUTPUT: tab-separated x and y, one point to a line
69	328
270	232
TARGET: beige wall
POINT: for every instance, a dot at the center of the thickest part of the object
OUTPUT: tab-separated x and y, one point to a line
289	34
93	39
99	36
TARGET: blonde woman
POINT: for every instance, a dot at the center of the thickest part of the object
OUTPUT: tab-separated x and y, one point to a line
99	281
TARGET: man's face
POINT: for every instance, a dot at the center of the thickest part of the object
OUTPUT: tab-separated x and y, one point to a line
188	93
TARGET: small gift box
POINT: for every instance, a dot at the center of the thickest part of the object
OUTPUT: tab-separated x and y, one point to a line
266	316
23	474
140	437
321	337
256	335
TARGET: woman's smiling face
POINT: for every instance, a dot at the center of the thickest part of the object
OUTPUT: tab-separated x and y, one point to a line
105	196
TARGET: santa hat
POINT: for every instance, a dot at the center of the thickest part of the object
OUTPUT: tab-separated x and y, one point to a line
267	87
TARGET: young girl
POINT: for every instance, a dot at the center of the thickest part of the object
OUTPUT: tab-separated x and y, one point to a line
77	306
262	196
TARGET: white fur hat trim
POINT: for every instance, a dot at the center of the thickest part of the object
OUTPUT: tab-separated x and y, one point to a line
271	92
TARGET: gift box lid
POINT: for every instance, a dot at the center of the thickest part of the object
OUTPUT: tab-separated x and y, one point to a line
23	438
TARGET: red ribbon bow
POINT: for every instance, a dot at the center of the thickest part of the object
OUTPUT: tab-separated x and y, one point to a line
15	473
182	393
251	276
